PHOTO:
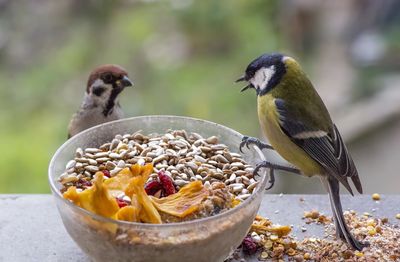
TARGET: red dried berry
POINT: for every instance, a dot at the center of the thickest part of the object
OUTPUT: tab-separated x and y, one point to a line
83	183
86	183
106	173
121	203
152	187
167	183
249	247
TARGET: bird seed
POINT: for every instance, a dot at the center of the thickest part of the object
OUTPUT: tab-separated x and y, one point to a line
184	157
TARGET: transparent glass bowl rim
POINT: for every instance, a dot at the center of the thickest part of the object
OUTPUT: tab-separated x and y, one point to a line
260	187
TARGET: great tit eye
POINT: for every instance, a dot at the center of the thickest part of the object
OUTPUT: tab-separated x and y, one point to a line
107	78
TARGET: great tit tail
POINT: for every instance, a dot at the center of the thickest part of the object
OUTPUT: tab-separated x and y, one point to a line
342	230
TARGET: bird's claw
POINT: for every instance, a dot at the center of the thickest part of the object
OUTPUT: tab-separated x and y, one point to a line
272	167
246	141
271	179
266	164
243	143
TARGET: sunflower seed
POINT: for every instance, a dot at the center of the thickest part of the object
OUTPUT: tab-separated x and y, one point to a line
252	186
69	178
105	147
100	155
199	158
114	143
70	164
102	159
244	196
110	165
121	164
145	151
159	158
92	168
192	165
189	172
232	178
235	155
82	160
227	155
115	171
245	180
123	153
218	176
212	140
79	152
196	136
92	150
114	155
180	182
205	149
237	188
218	147
222	159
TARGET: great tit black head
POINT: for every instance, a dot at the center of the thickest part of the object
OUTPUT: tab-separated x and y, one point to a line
264	73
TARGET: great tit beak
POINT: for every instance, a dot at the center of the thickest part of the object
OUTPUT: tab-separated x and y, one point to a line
245	88
124	82
241	79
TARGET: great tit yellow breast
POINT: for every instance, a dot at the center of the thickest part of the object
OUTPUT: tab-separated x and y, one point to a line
269	121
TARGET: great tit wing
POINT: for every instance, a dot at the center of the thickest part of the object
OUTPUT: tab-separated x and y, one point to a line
326	147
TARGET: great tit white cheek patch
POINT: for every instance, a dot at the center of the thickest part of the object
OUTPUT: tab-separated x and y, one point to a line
262	77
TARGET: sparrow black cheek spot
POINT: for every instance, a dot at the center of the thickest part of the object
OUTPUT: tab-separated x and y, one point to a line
98	90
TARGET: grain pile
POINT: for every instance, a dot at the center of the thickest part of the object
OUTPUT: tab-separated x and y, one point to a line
383	237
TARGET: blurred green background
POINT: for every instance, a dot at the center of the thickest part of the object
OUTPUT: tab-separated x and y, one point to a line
184	57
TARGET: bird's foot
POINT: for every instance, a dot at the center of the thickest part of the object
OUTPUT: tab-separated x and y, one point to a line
272	167
355	244
246	141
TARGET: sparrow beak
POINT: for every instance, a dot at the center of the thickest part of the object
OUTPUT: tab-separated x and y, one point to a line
124	82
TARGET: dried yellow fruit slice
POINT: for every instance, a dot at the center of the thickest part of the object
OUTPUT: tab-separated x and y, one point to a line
95	199
135	189
119	183
187	201
128	213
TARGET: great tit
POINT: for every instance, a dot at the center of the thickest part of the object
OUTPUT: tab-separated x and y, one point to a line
299	127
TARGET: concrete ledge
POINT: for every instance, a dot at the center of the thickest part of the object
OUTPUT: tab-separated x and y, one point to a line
31	228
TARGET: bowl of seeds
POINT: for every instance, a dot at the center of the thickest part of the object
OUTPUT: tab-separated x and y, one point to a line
157	188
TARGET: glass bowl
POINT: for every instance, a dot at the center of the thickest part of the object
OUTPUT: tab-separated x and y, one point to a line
208	239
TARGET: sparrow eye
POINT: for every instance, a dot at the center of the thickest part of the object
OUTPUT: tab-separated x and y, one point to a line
107	78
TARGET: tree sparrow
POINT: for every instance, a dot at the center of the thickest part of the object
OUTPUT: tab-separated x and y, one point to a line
100	104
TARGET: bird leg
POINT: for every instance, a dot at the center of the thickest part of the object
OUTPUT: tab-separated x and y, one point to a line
272	167
246	141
